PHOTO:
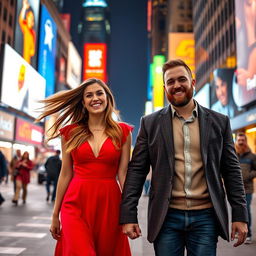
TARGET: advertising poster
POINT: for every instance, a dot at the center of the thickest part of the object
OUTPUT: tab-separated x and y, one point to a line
222	99
47	50
95	61
203	96
182	46
74	67
244	81
26	31
22	85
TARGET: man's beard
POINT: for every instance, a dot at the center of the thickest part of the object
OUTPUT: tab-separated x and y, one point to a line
177	103
241	149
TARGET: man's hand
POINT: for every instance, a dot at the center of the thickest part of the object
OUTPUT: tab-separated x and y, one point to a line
132	230
239	228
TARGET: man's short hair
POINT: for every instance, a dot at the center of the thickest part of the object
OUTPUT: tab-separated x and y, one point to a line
176	63
57	151
241	134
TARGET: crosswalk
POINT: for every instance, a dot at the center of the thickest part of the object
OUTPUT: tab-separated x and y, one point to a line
22	235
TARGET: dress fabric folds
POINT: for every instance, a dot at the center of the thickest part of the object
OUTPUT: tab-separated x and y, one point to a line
90	207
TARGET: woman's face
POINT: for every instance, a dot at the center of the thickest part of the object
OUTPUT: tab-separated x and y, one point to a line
25	155
221	91
95	99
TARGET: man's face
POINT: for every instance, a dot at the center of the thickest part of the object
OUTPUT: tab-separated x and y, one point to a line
221	91
178	86
241	141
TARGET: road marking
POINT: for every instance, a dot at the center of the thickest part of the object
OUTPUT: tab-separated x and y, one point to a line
11	250
36	225
23	234
41	218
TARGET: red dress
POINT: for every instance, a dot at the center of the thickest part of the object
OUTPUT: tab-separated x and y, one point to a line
90	207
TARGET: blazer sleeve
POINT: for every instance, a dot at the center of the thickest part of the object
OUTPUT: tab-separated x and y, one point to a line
232	176
137	171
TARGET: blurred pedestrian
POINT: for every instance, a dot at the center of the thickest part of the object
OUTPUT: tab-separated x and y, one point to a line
190	149
3	172
95	150
248	165
52	167
23	166
13	168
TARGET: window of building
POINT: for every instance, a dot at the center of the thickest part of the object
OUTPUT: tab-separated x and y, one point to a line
3	37
5	14
9	40
180	28
10	20
12	2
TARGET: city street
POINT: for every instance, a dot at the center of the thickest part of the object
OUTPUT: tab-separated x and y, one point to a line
24	230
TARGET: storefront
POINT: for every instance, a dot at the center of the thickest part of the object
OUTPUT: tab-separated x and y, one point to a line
7	124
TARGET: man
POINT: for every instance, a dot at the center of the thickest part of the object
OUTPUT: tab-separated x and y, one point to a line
248	165
52	167
191	151
13	169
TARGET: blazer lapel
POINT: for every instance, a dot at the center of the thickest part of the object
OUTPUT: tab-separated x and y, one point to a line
204	128
165	123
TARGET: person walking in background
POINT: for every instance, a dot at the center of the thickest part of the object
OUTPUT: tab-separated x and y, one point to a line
95	151
24	166
3	173
190	149
248	165
52	167
13	168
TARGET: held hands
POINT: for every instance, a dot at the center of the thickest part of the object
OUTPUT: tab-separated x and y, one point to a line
132	230
55	228
239	228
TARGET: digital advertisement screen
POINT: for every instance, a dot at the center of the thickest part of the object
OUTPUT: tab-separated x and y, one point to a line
74	67
222	99
22	85
47	50
244	82
95	61
203	96
26	31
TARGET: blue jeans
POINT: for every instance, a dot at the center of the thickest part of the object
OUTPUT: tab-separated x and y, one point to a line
248	203
195	230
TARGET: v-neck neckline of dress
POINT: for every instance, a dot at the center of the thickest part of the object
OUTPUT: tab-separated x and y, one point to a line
100	147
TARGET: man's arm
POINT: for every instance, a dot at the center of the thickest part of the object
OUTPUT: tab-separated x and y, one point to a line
137	171
231	173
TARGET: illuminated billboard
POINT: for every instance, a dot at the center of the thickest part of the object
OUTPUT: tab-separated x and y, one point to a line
221	92
28	132
182	46
47	50
244	83
27	29
158	88
74	67
22	85
95	61
203	96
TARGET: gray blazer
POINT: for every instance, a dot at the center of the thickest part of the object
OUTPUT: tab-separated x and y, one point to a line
154	146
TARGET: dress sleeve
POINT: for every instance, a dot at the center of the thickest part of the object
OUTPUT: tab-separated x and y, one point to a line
65	131
126	128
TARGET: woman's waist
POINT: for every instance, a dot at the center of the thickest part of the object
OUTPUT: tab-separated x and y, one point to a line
93	177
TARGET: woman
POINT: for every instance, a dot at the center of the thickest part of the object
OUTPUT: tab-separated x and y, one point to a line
95	149
23	166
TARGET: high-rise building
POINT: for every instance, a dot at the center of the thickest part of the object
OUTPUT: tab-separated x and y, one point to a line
214	30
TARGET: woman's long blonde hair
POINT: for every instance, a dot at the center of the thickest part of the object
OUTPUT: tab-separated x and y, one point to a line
69	105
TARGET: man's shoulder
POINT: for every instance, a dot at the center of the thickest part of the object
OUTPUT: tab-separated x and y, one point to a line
155	114
213	113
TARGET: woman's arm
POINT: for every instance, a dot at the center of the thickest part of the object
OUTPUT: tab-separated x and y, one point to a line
66	175
124	160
